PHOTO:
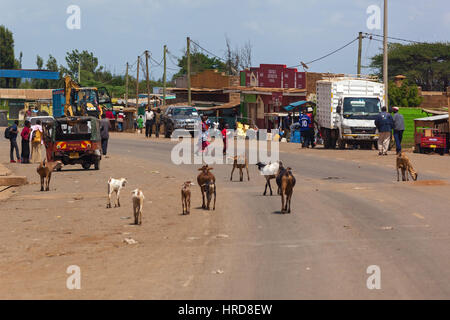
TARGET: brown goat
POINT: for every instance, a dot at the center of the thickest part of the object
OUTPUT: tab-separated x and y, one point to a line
237	163
404	164
203	178
186	196
287	188
45	170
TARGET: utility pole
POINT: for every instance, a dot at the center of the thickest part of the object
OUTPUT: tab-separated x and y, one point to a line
360	37
79	71
188	53
164	76
126	87
137	84
148	84
385	55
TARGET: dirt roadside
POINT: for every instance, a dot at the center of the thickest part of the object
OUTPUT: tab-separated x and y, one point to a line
42	233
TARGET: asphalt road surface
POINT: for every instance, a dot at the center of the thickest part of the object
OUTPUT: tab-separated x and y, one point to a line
347	215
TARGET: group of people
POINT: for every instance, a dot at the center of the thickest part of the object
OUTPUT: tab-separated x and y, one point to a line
386	124
151	118
306	121
30	135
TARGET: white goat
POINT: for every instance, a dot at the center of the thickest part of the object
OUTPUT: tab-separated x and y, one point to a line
138	204
269	171
115	185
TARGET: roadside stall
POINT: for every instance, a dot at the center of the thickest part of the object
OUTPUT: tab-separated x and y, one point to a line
431	134
128	121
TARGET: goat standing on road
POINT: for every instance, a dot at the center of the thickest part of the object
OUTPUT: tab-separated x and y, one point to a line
45	170
186	197
287	183
240	163
269	171
210	190
404	164
138	204
202	179
115	185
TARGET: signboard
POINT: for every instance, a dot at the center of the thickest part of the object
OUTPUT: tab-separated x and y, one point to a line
277	98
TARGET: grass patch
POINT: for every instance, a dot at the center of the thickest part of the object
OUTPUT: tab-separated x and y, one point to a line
410	114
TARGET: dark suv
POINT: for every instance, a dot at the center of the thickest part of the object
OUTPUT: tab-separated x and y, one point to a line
180	117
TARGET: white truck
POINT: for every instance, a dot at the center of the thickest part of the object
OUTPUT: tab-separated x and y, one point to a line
346	111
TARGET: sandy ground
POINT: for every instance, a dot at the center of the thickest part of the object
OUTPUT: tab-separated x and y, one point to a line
43	233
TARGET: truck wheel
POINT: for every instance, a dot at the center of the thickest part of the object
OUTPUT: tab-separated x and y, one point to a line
97	165
86	165
375	145
341	144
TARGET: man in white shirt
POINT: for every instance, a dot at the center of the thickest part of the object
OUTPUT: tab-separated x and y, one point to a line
149	119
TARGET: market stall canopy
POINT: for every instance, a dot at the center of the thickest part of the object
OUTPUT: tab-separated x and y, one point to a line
229	105
297	104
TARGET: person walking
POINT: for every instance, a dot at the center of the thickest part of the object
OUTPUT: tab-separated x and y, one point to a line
36	142
157	122
224	137
105	125
310	114
399	128
140	123
304	129
120	119
25	134
384	124
13	131
149	115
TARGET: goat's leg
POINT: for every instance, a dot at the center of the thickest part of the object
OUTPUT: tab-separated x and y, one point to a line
270	187
47	188
289	203
135	213
118	198
214	208
241	174
398	174
188	205
203	198
248	176
108	205
265	189
282	202
140	213
182	202
231	178
42	183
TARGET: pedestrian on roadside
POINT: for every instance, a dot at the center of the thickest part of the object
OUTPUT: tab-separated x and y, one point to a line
157	122
105	125
399	128
120	117
36	142
224	137
384	124
140	123
310	114
149	116
304	129
13	131
25	134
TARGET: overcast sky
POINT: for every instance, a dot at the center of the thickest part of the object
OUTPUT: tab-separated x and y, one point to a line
280	31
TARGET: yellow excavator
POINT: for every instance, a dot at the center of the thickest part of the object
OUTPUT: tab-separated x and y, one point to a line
83	101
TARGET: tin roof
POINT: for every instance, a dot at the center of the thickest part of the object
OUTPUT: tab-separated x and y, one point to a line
434	118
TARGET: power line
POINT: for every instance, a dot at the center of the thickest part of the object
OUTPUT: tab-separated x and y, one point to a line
400	39
327	55
221	59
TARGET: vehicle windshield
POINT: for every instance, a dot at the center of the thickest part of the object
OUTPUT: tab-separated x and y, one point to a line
85	96
185	112
76	130
361	106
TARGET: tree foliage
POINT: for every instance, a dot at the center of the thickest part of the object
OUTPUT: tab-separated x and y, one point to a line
7	59
424	64
404	96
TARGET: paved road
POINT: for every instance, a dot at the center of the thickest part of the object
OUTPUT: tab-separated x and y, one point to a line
347	216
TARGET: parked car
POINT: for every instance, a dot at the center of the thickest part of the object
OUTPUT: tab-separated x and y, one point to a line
180	117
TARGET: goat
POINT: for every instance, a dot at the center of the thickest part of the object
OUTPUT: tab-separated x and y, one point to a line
287	181
404	164
138	204
238	163
186	196
45	170
269	171
115	185
210	189
205	176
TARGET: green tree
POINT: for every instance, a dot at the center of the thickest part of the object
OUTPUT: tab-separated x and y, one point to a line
7	60
87	61
424	64
199	63
404	96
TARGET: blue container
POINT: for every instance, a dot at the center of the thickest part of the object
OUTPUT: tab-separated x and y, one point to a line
296	136
59	100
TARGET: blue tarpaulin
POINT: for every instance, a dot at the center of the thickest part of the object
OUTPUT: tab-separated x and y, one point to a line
29	74
296	104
